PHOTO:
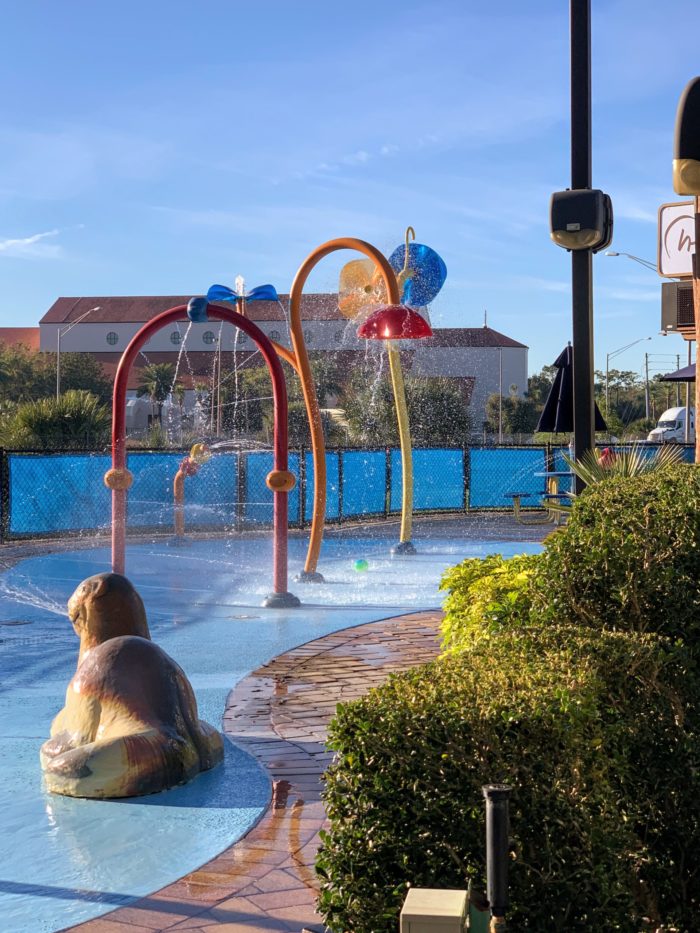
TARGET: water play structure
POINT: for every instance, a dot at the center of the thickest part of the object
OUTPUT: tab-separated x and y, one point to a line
66	860
299	359
420	274
129	725
189	466
210	628
414	273
279	480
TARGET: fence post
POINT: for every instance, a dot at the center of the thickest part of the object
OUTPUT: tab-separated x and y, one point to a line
340	486
240	489
549	457
466	475
388	480
4	495
302	486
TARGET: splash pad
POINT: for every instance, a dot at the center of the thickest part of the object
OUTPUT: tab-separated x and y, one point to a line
73	859
68	860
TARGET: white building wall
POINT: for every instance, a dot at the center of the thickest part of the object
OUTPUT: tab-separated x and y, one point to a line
488	366
114	338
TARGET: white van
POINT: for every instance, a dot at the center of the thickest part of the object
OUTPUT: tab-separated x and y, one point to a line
670	428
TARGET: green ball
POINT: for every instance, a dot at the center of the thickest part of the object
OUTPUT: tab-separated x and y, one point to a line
361	565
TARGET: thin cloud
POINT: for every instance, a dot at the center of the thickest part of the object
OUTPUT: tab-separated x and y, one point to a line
547	285
301	219
641	212
357	158
629	294
31	247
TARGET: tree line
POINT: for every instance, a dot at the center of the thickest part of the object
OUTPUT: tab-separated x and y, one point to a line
357	404
621	398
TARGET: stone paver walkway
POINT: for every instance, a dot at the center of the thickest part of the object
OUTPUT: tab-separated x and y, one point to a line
279	714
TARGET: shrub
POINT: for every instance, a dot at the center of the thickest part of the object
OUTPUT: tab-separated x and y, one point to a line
484	595
629	557
571	675
75	420
597	733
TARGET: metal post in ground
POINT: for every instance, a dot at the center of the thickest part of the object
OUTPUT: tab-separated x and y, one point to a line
497	833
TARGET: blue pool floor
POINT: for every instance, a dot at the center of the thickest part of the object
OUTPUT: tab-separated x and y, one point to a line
64	860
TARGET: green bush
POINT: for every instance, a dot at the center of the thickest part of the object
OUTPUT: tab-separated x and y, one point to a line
485	595
571	675
629	557
597	734
75	420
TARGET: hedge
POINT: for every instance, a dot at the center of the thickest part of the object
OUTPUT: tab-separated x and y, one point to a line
582	724
572	676
629	557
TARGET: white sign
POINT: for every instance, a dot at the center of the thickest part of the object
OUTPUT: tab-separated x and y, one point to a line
676	239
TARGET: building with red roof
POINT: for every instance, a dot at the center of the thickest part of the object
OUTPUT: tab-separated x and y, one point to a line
481	359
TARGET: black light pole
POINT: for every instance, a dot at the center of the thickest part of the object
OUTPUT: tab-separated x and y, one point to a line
581	259
581	220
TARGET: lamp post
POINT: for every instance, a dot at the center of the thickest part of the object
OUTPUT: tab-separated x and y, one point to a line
60	333
647	263
500	395
581	221
608	357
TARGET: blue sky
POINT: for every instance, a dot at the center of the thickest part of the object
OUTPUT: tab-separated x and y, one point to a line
155	148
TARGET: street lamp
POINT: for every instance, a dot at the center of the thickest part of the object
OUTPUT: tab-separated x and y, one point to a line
608	357
642	262
60	333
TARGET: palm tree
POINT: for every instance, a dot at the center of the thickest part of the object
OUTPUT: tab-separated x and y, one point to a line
156	381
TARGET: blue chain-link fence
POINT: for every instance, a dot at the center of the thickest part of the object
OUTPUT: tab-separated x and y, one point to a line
53	494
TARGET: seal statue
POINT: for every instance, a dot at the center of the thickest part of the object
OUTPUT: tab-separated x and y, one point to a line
129	725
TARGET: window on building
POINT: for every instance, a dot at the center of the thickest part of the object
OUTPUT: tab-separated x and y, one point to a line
112	338
308	336
338	336
176	337
274	335
209	337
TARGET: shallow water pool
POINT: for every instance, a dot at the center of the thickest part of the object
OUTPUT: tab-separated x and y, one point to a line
63	860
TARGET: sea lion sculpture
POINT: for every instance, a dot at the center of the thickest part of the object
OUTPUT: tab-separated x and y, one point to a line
129	726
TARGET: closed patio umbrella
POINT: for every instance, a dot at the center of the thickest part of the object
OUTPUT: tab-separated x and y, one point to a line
558	413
